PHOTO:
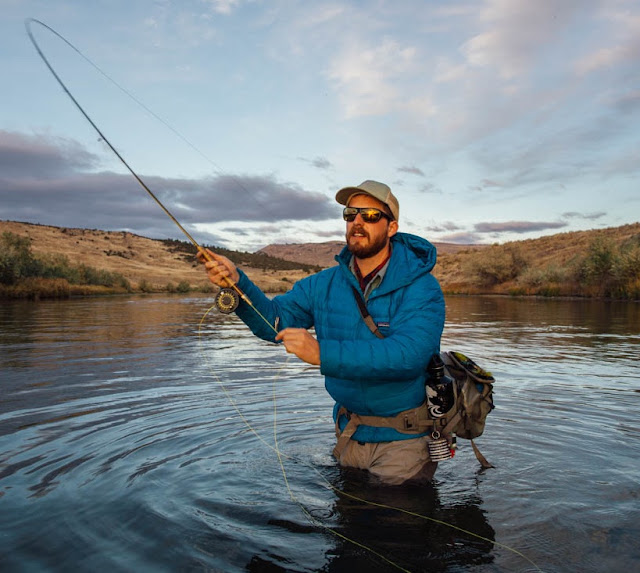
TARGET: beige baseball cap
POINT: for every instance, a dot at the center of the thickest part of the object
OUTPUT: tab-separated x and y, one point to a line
378	191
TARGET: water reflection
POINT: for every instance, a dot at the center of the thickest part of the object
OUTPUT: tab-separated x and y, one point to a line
117	423
430	536
594	316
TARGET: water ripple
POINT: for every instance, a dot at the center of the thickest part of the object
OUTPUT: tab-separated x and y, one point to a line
148	442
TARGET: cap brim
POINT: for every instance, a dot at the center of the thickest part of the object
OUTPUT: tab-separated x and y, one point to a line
344	194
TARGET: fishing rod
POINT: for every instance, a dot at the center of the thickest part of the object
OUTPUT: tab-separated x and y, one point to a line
228	298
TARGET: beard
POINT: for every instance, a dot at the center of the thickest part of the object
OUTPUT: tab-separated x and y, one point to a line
369	250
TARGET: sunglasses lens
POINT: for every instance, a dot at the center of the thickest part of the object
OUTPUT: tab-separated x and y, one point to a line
368	214
371	215
349	214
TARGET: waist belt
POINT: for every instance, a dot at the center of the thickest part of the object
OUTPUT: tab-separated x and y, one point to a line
413	421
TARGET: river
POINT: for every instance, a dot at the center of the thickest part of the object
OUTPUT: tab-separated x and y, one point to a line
139	434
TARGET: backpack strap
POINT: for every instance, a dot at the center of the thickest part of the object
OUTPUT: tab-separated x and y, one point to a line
362	307
355	420
483	461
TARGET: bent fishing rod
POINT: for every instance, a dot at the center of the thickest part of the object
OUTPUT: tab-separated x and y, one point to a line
228	299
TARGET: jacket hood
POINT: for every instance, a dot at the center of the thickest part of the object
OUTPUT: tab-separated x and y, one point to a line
412	256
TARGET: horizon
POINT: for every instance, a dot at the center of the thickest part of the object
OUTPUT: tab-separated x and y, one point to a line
183	239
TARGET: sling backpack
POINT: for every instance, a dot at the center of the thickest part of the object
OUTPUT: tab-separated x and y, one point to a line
472	391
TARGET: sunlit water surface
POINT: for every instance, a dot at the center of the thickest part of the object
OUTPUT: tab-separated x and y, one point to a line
133	437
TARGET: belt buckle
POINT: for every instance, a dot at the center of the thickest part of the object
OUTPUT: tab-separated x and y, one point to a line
408	424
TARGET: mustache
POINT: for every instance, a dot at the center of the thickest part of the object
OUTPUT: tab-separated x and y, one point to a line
357	229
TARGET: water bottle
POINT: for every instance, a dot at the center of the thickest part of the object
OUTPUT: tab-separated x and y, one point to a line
439	388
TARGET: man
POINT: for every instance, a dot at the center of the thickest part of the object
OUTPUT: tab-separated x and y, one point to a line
377	381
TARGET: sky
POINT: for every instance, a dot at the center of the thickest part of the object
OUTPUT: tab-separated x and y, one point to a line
491	120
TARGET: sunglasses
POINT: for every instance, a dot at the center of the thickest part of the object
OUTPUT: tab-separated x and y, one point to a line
368	214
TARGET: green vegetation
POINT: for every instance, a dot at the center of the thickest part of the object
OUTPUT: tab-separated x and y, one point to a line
610	270
497	265
254	260
601	263
607	269
23	275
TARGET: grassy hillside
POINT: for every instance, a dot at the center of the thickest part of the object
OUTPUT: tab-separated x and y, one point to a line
62	262
66	261
596	263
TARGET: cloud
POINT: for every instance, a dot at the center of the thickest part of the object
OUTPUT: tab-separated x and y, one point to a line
461	238
222	6
257	236
45	183
515	31
487	184
445	226
38	156
412	170
493	230
587	216
365	76
624	26
430	189
318	162
517	227
330	234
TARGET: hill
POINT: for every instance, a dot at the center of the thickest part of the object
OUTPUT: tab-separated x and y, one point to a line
594	263
323	254
156	262
602	262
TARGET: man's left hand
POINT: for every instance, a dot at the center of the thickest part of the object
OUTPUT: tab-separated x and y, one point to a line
300	342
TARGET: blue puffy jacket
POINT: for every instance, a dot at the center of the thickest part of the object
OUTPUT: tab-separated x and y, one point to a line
366	374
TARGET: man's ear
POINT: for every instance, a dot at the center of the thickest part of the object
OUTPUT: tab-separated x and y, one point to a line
392	229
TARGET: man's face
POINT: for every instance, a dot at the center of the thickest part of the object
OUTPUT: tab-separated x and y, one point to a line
366	240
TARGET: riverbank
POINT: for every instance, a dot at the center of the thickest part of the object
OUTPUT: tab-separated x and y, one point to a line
602	263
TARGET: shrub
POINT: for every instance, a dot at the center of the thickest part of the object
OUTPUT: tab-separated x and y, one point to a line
207	288
16	260
499	264
36	288
543	277
611	270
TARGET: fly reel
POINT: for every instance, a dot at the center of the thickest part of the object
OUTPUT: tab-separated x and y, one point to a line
227	300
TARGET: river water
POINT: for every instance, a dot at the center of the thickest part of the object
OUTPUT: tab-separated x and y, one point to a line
136	435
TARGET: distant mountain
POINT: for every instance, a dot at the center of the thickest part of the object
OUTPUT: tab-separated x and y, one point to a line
322	254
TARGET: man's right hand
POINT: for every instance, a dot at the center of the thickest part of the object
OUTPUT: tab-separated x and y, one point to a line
219	269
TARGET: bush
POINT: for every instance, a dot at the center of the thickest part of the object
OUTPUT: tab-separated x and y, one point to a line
36	288
499	264
611	270
543	277
16	260
183	287
206	288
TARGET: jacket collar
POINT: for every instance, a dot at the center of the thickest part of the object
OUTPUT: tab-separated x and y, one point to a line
412	256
